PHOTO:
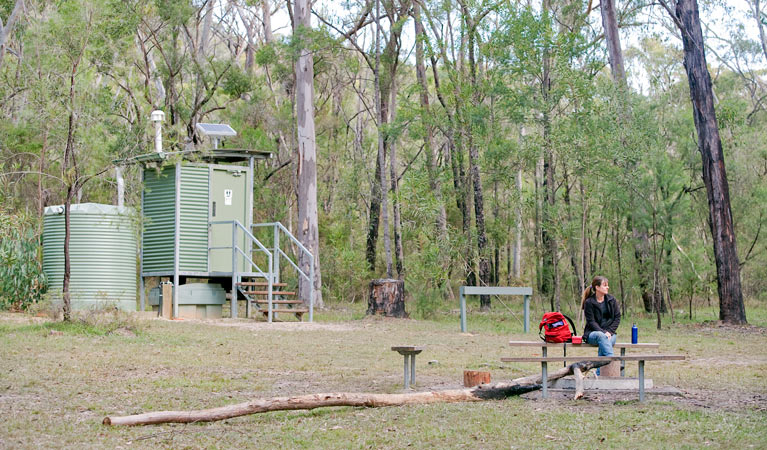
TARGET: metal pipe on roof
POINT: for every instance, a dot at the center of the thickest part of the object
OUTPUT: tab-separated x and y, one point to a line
157	117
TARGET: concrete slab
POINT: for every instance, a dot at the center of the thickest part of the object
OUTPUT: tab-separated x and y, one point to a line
603	383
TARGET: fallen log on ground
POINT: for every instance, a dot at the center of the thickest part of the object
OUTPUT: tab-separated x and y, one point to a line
482	392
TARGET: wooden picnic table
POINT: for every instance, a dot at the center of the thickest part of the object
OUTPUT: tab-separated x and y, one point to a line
623	346
639	358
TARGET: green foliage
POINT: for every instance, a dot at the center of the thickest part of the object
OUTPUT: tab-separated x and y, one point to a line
22	282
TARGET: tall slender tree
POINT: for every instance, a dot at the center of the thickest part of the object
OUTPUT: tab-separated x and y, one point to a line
308	232
687	19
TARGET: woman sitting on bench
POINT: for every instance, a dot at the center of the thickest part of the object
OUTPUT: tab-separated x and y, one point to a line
603	315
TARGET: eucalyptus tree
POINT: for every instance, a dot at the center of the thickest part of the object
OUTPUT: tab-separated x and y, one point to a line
687	19
306	168
7	28
81	39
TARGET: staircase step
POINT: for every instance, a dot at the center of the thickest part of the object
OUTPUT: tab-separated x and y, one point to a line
285	310
278	302
260	283
267	293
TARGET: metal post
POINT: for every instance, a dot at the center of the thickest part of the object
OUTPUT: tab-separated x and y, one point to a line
412	369
623	363
544	380
270	288
463	310
311	289
249	214
641	381
527	313
407	378
564	353
142	294
177	241
234	270
276	251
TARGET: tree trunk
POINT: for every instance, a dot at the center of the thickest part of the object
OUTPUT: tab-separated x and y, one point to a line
399	254
266	17
41	170
5	31
758	16
518	232
549	276
66	297
731	307
479	206
306	169
206	25
428	140
479	393
613	40
387	297
374	214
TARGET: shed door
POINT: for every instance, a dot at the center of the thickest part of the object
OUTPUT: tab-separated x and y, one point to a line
228	201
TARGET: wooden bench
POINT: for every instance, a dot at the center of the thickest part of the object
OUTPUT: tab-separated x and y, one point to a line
623	346
544	360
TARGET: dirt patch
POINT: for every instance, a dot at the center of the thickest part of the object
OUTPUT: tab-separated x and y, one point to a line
276	326
711	326
21	317
730	401
734	401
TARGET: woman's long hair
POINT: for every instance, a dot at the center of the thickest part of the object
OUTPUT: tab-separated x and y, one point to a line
592	290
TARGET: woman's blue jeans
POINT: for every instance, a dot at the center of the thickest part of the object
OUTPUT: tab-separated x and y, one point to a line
605	344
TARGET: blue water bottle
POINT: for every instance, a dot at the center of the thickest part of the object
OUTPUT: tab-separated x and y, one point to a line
634	334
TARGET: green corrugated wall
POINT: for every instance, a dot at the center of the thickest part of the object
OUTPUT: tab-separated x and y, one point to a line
102	250
194	219
159	218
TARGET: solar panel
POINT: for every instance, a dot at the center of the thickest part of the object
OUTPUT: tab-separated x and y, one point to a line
216	129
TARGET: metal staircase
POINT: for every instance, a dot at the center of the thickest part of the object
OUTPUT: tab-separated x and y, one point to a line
264	289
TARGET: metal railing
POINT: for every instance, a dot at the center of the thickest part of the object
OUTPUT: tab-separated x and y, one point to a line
269	276
279	253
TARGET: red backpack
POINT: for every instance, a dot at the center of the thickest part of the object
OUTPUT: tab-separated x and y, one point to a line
556	328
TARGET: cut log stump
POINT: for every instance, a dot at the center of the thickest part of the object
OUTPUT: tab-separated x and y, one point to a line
387	297
611	370
473	378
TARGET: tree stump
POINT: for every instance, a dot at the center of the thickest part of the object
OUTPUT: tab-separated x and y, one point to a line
473	378
387	297
611	370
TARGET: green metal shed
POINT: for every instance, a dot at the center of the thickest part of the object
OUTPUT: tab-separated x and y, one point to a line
189	207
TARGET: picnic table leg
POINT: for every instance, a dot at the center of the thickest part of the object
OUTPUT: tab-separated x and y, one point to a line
463	311
623	363
544	380
527	313
412	370
407	378
641	381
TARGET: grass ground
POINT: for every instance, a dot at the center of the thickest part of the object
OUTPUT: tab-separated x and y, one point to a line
57	382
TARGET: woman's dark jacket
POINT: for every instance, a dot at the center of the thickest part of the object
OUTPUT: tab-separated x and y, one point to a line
594	317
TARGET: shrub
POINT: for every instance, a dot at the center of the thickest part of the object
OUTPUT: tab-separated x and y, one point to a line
22	282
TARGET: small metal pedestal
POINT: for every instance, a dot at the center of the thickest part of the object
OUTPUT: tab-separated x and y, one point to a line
409	352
